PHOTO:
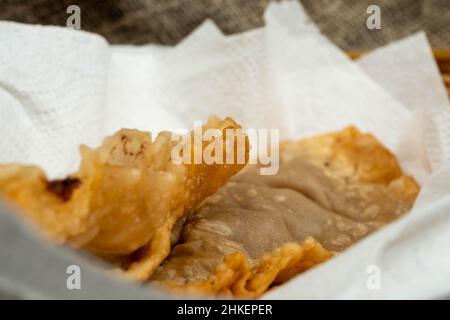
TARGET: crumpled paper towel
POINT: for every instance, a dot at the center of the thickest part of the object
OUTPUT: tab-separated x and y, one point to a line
52	93
60	88
416	83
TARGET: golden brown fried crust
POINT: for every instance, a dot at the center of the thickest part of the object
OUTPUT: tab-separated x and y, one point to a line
235	277
63	188
205	179
127	195
59	216
348	155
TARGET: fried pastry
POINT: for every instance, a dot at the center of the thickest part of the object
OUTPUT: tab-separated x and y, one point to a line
259	231
126	198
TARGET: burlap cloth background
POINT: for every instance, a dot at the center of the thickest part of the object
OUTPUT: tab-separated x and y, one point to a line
168	21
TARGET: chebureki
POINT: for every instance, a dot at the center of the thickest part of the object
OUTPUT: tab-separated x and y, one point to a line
192	229
126	198
259	231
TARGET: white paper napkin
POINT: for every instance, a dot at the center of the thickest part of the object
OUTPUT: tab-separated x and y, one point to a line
408	71
52	91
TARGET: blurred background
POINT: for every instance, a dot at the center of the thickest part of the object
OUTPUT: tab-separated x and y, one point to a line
169	21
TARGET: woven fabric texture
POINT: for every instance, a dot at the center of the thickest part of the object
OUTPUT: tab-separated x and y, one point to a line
169	21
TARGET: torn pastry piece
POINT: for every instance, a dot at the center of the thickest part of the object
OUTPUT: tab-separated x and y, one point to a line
257	216
127	195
